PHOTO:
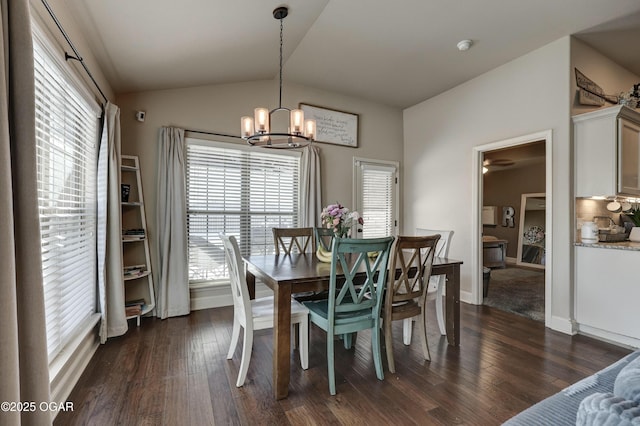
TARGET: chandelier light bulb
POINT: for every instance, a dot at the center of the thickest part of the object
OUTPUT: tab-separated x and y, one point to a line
297	120
310	129
262	120
246	126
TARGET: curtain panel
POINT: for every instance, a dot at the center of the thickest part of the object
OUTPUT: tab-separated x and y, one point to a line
24	369
110	280
310	187
172	292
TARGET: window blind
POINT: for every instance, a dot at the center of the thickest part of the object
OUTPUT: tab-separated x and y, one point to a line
377	199
66	136
237	191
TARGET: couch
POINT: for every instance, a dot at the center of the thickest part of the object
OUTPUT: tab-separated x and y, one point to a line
608	397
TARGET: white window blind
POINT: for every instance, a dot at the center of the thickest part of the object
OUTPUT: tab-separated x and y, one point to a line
237	191
376	189
66	136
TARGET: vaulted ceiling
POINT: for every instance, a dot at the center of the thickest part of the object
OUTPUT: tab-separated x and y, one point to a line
397	53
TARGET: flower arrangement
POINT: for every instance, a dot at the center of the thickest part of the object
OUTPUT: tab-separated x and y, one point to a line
340	219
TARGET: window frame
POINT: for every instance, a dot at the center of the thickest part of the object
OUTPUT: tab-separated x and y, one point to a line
358	163
244	245
81	95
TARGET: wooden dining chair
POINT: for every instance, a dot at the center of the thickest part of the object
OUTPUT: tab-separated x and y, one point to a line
256	314
324	237
406	293
356	305
301	240
293	239
436	282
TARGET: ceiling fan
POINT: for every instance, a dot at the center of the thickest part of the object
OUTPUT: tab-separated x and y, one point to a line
496	162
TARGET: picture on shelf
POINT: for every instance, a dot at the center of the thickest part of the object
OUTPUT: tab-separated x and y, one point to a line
124	191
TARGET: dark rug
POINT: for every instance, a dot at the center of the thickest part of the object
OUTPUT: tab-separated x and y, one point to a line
517	290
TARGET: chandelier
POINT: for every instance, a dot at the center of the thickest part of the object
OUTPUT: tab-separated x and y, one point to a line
258	130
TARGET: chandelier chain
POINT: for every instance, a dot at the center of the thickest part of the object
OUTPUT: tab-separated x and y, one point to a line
281	44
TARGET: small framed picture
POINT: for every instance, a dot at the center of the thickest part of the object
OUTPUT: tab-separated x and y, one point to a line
124	191
333	126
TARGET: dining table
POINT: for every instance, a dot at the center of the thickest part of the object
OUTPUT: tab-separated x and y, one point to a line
297	273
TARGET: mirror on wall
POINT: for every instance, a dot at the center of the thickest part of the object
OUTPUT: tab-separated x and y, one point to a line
532	232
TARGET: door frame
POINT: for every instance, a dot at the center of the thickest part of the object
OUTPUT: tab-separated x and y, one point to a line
477	202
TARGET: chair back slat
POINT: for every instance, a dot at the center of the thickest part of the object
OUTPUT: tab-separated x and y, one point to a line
324	238
353	256
442	250
290	240
237	277
413	258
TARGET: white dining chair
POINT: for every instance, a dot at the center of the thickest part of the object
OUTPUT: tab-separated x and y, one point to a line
256	314
437	283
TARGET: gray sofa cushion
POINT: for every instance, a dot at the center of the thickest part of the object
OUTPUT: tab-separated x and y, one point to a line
561	409
606	409
627	384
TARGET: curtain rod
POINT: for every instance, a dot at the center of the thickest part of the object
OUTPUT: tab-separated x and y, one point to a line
212	133
77	56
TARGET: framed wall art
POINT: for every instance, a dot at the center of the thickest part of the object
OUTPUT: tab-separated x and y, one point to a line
332	126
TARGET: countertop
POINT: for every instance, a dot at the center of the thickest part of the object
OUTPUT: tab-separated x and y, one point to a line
622	245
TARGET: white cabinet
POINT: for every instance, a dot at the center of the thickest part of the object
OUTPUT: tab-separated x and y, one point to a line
607	152
629	157
138	281
607	294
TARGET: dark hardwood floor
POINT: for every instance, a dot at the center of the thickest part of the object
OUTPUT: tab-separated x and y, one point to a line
175	372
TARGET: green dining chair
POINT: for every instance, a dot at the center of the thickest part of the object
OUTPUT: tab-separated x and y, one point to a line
356	305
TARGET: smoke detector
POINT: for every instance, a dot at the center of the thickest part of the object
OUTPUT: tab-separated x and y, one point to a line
464	45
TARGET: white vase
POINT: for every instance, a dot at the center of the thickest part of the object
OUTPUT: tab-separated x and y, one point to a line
634	235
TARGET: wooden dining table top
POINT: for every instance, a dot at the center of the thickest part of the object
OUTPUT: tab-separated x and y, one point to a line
299	268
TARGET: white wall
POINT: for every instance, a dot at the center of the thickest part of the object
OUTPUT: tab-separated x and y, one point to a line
525	96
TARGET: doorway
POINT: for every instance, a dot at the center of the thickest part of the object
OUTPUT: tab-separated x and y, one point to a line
508	169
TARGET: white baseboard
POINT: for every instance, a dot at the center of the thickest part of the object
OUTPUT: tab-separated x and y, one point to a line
465	296
609	337
510	260
563	325
215	296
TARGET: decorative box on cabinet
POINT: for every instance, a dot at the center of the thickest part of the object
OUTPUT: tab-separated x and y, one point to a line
607	152
138	280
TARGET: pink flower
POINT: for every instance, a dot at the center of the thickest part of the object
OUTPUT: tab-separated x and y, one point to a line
340	219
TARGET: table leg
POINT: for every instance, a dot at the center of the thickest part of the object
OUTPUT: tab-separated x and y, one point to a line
453	305
281	340
251	285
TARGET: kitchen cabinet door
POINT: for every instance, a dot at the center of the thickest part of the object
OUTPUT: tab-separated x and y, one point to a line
594	136
607	293
628	157
607	152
